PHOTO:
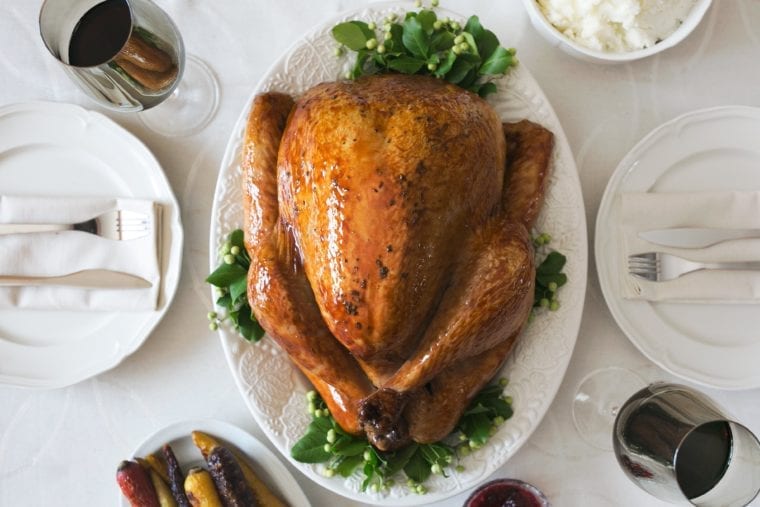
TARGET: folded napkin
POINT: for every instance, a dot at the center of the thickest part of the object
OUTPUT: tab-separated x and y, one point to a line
49	254
642	212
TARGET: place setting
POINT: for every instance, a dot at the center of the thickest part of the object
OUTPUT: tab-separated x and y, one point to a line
398	259
677	257
76	183
86	275
677	246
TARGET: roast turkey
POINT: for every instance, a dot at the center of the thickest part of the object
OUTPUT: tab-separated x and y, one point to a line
387	221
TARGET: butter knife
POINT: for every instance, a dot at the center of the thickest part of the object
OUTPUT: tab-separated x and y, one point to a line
696	237
87	279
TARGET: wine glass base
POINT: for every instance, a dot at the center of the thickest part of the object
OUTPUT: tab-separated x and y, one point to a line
191	106
598	400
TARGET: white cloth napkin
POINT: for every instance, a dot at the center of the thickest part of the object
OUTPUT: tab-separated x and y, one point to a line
60	253
642	212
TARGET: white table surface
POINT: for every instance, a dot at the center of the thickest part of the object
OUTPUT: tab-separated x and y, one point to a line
61	447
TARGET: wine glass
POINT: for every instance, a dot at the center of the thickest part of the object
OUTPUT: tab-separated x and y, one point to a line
677	444
597	402
128	55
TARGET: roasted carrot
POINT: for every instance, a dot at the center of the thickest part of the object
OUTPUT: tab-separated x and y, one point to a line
229	479
176	478
136	485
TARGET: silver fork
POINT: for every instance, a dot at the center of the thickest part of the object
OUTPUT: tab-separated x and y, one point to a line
116	224
660	266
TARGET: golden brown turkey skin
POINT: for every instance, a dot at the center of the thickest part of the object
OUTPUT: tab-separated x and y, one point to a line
279	294
529	147
388	241
381	180
489	299
433	411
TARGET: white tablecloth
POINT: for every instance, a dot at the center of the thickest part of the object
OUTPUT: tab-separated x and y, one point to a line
61	447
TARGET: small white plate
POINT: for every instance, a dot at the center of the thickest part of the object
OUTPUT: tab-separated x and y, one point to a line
63	150
713	149
268	468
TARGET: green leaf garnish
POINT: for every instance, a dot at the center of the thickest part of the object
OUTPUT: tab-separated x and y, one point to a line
499	61
553	263
487	43
348	446
361	58
468	37
311	447
427	19
485	89
549	275
231	280
238	288
347	466
398	460
415	39
440	42
459	71
421	43
395	46
406	64
474	27
487	405
248	326
446	65
236	238
226	275
417	467
350	455
351	34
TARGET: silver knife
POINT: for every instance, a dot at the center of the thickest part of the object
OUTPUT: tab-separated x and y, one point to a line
696	237
87	279
27	228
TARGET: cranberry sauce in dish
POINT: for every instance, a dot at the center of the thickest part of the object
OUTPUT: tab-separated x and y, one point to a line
507	493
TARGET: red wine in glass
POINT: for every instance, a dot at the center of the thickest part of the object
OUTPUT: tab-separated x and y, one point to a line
129	56
703	458
100	34
676	444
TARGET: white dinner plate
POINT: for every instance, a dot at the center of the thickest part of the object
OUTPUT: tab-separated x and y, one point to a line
266	465
716	345
274	389
52	149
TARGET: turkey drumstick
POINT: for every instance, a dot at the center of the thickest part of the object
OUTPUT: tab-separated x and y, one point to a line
278	291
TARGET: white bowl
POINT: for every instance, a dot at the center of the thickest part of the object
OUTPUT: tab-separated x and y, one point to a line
569	46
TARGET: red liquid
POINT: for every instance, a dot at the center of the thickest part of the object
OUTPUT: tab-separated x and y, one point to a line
703	458
505	493
100	34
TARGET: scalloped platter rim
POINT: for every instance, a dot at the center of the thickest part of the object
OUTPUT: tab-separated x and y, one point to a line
272	387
